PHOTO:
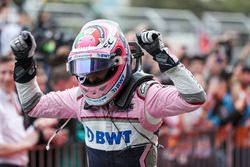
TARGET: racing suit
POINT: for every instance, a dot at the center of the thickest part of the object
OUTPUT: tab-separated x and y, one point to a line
119	138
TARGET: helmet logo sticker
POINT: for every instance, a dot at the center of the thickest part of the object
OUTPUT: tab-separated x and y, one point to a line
88	38
110	43
118	83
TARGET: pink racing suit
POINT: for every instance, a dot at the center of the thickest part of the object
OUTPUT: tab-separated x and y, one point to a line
120	138
108	129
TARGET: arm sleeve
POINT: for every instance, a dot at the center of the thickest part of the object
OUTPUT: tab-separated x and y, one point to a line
186	95
61	104
163	101
29	94
187	85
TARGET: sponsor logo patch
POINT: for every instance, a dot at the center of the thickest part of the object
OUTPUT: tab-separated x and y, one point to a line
111	138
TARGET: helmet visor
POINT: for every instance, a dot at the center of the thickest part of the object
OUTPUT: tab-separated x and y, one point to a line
83	67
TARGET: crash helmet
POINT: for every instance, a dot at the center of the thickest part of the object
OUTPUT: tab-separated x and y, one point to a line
100	45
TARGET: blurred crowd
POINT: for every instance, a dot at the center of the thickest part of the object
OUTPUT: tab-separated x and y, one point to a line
224	75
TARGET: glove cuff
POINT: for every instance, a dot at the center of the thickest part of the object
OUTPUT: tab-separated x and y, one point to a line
25	70
154	53
165	61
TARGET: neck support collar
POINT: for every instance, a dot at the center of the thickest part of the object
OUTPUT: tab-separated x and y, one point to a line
124	98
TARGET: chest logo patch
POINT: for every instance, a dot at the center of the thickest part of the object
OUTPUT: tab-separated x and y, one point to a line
111	138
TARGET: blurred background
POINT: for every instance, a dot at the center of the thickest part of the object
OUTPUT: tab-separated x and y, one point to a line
210	37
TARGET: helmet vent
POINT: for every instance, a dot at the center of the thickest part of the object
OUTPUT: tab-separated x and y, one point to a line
118	52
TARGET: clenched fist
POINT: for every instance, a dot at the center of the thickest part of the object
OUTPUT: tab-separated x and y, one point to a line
152	43
23	47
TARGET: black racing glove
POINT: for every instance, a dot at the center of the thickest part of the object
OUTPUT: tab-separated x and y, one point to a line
152	43
23	47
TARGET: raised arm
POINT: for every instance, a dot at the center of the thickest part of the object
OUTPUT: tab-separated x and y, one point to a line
56	104
186	94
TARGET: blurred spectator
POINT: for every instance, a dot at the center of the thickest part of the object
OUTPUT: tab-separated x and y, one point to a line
216	62
25	20
61	80
225	44
8	27
241	96
15	141
220	101
219	106
180	51
45	21
197	64
47	36
245	54
185	60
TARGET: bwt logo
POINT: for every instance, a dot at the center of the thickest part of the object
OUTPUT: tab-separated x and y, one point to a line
106	56
118	83
100	137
